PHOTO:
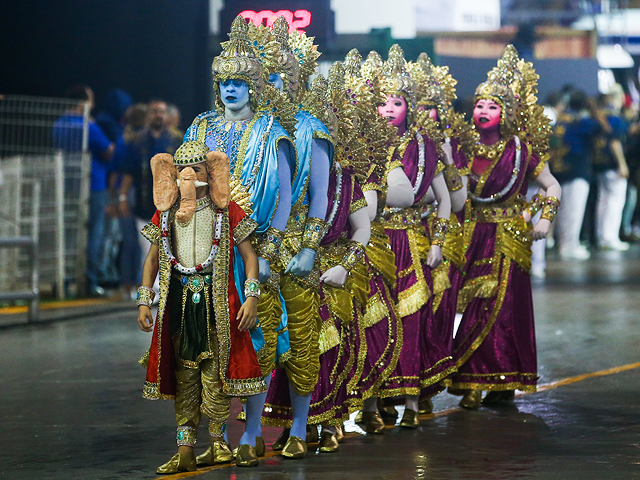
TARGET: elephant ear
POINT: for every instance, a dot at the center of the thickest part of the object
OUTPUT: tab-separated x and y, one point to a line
218	177
165	188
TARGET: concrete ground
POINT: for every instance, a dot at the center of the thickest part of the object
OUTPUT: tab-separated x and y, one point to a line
72	406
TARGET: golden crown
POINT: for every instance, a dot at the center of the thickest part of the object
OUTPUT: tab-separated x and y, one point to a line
190	153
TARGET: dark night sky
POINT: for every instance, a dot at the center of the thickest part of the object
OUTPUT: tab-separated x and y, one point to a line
149	48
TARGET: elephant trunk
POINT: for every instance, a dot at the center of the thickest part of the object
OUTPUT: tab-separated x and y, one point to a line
187	196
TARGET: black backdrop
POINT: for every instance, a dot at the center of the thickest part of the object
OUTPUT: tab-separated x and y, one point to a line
150	48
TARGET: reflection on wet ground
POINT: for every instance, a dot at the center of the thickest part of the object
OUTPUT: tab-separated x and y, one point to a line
72	407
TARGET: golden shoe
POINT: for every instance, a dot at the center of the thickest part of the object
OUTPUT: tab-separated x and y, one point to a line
218	452
180	462
246	456
281	440
425	406
261	449
328	442
373	422
294	448
471	399
386	410
312	434
409	419
340	434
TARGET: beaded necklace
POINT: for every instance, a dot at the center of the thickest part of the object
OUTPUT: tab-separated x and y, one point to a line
174	261
514	176
336	197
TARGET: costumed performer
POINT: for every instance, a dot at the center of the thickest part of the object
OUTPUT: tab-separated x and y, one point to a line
495	345
201	352
248	126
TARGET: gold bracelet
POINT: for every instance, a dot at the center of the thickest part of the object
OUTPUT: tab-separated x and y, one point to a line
452	178
439	231
354	255
145	296
314	231
551	205
534	205
269	247
252	288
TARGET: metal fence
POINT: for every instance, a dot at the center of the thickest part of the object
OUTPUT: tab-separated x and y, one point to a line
44	190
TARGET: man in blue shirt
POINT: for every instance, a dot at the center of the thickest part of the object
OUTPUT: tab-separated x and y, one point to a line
67	136
132	158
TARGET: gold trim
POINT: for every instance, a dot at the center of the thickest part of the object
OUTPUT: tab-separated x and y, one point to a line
244	229
151	233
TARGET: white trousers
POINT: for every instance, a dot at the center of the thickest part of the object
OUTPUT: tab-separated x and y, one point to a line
612	191
538	261
571	214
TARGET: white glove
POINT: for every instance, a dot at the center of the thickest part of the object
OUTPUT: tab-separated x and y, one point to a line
435	256
335	276
302	264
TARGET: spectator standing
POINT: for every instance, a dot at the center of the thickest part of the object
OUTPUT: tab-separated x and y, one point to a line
573	169
67	135
611	171
630	232
133	164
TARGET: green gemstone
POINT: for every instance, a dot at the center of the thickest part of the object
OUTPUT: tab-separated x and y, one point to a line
196	297
253	287
196	282
207	279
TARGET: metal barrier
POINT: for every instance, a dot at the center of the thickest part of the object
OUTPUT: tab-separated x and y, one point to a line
44	190
34	293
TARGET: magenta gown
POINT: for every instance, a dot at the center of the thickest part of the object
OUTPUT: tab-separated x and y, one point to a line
495	345
424	359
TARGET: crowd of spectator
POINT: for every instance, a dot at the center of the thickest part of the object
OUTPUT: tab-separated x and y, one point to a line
123	136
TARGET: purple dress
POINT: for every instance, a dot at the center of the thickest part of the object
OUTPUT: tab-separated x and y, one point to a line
424	358
448	277
341	310
495	345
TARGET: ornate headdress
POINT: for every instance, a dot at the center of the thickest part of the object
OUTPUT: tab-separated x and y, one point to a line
306	54
272	48
238	60
190	153
396	80
434	85
513	84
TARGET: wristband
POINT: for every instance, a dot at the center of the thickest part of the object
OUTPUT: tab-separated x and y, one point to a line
269	247
452	178
550	209
355	253
252	288
439	231
534	205
145	296
314	231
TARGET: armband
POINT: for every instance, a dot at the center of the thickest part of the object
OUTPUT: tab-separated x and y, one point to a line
314	231
439	231
550	209
354	255
452	178
269	246
145	296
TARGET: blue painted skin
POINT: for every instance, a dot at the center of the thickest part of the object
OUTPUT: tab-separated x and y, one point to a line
302	264
234	93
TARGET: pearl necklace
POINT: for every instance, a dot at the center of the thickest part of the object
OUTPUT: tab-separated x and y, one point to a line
174	261
514	176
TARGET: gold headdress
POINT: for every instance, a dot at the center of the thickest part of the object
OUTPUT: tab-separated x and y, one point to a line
396	80
272	48
306	54
513	84
238	60
190	153
372	66
434	85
